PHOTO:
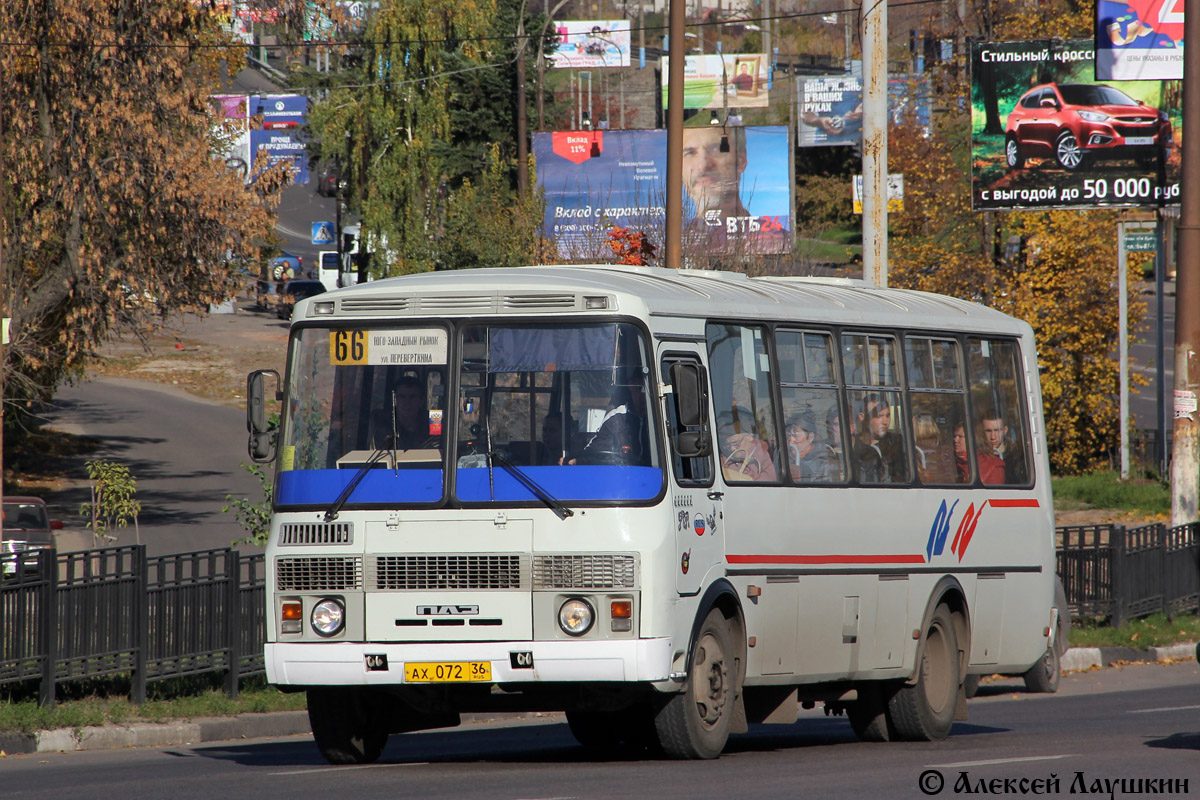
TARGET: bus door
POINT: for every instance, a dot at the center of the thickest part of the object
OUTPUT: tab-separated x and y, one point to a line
697	502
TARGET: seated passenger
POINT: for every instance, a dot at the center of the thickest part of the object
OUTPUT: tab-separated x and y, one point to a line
409	427
997	441
935	463
744	455
556	440
808	461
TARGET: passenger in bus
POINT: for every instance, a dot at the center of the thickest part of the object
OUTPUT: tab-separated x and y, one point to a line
935	462
961	465
745	456
995	437
411	418
556	440
808	461
878	451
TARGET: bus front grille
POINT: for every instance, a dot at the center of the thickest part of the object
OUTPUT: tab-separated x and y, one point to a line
318	574
600	571
299	533
447	572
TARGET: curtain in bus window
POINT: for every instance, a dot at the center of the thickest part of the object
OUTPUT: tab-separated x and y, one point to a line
1001	427
547	349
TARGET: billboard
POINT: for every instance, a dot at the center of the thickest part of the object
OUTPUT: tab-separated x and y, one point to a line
737	193
1044	134
588	44
277	136
742	76
831	107
1139	40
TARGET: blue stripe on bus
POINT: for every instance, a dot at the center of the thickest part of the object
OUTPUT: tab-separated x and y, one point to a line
382	485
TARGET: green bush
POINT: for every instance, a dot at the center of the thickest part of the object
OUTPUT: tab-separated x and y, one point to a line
1107	490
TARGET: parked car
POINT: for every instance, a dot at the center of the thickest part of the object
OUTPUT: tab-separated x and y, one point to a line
285	266
27	527
327	184
1075	123
294	291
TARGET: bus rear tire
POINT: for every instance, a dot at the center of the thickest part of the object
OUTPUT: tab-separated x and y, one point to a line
924	711
695	722
1045	674
346	725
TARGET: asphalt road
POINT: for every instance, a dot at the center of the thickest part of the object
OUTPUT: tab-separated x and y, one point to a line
1112	724
185	453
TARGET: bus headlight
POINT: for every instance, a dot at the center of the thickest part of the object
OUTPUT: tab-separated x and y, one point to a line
575	617
328	617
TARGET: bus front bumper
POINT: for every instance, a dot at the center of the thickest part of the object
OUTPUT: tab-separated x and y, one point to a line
364	664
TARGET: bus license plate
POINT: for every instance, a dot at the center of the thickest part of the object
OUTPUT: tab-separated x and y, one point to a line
447	671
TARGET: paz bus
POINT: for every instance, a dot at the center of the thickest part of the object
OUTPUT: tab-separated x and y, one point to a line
669	503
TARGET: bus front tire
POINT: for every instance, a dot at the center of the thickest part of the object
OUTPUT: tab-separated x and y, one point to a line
695	723
346	725
924	710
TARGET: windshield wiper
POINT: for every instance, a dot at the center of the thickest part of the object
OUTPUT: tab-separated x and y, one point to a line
376	456
529	483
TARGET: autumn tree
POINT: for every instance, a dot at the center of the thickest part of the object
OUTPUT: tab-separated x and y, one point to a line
115	211
425	134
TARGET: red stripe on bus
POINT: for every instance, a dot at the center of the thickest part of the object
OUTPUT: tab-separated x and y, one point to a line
833	559
1021	503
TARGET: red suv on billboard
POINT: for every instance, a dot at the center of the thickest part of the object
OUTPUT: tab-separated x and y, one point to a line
1077	122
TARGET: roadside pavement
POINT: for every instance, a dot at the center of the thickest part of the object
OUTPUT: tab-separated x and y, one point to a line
295	723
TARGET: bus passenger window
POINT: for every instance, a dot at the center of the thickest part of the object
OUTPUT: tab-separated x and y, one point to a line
1002	429
808	384
937	397
872	374
739	366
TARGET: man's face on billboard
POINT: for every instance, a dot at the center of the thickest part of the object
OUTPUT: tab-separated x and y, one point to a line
711	177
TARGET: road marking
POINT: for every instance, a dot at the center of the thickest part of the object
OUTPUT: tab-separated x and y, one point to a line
1164	708
999	761
323	770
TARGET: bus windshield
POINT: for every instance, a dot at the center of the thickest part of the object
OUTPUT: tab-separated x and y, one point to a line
370	413
566	404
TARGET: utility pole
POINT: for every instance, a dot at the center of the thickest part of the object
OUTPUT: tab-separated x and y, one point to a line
1185	449
676	55
522	124
874	142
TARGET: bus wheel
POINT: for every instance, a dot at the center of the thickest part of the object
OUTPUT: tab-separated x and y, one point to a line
924	711
1044	675
345	726
695	722
868	714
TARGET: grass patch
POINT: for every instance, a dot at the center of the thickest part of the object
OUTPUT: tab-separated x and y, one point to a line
97	702
1107	490
1157	630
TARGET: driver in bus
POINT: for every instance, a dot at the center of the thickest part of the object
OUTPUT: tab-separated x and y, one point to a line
411	417
619	439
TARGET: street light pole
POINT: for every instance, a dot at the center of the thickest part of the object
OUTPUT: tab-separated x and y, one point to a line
677	50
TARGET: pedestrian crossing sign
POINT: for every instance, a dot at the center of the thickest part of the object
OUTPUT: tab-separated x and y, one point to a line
322	233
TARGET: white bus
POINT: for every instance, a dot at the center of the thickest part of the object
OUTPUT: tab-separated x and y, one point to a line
667	503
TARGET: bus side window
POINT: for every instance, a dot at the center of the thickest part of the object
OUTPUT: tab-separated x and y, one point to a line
813	422
1001	423
741	390
879	443
937	399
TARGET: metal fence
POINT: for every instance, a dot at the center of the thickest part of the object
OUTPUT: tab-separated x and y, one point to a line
92	613
1124	573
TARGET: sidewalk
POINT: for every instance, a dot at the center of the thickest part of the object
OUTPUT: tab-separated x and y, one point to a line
295	723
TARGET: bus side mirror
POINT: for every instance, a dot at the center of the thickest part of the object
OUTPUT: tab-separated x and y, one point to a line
261	445
691	404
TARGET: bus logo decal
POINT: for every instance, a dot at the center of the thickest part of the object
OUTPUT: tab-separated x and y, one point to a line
698	524
448	611
966	529
939	531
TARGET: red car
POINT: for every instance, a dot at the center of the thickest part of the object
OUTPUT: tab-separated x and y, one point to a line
1077	122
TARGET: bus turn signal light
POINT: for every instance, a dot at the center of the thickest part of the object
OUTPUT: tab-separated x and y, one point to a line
291	614
621	612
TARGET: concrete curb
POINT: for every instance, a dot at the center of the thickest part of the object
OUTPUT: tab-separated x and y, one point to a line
291	723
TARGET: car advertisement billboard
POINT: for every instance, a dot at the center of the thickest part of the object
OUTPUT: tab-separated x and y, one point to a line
588	44
737	195
1139	40
831	107
1044	134
743	77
